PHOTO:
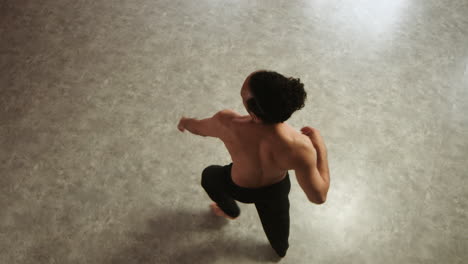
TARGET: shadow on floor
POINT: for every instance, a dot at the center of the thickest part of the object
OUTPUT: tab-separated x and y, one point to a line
191	237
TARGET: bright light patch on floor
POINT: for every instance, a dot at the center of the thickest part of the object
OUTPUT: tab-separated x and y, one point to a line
379	16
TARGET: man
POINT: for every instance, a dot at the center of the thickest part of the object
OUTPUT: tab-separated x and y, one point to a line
263	148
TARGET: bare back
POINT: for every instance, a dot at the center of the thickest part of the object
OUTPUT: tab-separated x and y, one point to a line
260	155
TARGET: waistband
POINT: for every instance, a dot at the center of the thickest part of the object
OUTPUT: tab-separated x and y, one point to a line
249	195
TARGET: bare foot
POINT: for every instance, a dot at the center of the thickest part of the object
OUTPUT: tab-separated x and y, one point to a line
220	212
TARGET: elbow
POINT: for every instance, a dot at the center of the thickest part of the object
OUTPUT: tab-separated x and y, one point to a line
318	199
322	200
321	196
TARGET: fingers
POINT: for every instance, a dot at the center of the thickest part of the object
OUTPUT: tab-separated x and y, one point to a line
309	130
314	135
180	126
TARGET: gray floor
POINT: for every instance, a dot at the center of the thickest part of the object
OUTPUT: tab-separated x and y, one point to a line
94	170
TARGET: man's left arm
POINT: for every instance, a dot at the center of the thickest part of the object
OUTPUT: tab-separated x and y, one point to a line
214	126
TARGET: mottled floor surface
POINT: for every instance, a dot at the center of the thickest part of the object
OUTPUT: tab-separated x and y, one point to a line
94	170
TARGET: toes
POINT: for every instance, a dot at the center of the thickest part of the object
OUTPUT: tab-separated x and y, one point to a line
216	209
219	212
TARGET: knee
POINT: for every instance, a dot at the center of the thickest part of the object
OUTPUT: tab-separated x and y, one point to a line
235	212
205	176
207	170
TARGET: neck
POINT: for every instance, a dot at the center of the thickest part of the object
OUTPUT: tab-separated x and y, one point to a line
259	122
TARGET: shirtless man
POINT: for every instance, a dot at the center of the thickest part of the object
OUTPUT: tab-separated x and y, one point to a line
263	148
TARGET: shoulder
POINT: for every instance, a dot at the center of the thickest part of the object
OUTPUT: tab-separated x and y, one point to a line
295	150
302	152
224	120
226	115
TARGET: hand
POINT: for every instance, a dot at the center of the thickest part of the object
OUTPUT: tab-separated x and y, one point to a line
307	130
314	136
181	125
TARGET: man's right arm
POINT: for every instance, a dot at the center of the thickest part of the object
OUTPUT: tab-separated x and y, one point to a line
322	163
312	170
308	175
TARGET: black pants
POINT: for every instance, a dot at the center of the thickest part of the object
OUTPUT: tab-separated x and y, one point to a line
272	202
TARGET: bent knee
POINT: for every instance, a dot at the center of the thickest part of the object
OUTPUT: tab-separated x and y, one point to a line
207	175
209	170
235	212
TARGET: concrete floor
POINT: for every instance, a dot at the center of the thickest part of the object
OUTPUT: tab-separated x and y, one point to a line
94	170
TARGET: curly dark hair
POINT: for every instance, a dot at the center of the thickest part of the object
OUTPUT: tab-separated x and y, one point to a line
275	97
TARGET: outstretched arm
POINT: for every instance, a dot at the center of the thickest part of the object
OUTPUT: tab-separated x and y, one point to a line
189	124
214	126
